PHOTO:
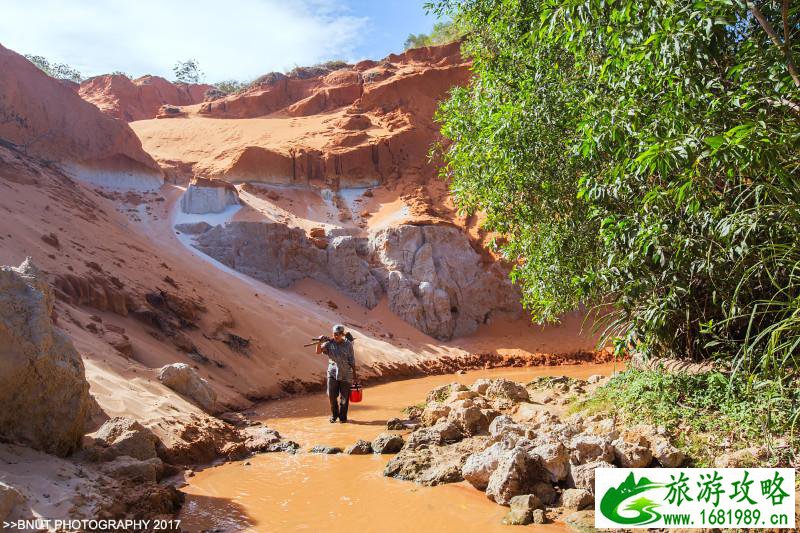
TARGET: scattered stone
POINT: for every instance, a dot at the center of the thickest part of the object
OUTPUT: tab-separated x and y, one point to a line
327	450
481	385
432	466
443	432
507	389
441	393
632	455
184	380
193	228
576	499
522	508
583	476
581	522
395	424
554	459
748	457
461	395
666	454
433	412
361	447
479	466
387	443
469	420
511	477
503	426
124	467
538	516
590	448
260	439
125	436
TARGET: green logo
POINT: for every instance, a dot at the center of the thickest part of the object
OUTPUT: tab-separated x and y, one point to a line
644	508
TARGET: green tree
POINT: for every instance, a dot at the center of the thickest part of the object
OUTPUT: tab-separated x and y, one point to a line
60	71
641	156
442	33
188	71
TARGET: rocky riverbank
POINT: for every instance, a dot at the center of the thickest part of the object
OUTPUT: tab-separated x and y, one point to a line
519	444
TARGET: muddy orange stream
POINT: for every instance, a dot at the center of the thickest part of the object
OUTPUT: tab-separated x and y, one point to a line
282	492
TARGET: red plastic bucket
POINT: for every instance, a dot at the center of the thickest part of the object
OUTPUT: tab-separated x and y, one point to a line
356	394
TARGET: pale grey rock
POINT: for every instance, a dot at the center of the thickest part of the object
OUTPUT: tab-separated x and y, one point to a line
470	420
513	476
434	412
554	459
201	200
576	499
442	432
507	389
632	455
184	380
125	436
588	448
44	395
436	281
361	447
10	498
433	465
279	255
387	443
479	466
325	450
583	476
193	228
665	453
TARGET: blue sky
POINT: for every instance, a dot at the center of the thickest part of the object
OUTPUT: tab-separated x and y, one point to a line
231	39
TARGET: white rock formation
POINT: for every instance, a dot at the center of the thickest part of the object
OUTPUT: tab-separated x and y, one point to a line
208	196
438	283
44	395
432	276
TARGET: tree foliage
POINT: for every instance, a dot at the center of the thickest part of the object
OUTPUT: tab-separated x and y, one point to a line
188	71
442	33
231	86
59	71
640	156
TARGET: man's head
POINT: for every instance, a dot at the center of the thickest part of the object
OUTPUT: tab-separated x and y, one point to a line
338	332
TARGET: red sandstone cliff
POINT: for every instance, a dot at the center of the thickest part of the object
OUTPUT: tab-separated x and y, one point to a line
139	99
42	117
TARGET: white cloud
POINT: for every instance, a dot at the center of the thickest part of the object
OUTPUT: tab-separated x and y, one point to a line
237	39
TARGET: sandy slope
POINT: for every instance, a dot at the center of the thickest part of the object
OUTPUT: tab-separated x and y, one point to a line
137	245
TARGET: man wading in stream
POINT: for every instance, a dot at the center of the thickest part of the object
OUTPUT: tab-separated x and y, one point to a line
341	371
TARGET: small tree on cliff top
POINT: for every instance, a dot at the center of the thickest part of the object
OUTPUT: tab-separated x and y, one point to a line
60	71
188	71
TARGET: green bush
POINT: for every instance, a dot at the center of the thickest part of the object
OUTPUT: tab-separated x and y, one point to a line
640	156
701	409
442	33
59	71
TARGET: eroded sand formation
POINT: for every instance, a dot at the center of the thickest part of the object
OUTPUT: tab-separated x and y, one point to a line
45	119
80	195
120	97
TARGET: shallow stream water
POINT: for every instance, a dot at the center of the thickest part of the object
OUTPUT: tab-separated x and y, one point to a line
309	492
